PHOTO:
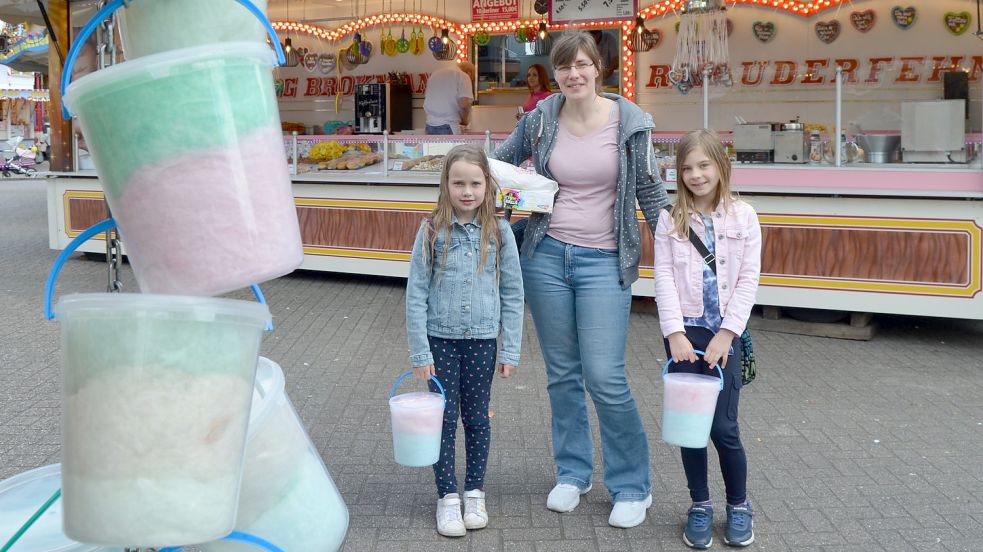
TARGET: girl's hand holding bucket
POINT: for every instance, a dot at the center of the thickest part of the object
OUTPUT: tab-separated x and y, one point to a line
719	347
424	372
681	348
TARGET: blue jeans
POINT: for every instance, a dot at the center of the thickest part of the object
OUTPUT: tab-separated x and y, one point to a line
581	316
439	129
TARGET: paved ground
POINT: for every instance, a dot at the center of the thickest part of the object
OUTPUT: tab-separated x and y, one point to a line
853	446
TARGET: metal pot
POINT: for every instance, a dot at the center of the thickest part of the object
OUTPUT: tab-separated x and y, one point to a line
793	126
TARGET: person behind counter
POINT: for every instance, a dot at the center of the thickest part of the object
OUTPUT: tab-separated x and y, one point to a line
447	101
538	82
578	265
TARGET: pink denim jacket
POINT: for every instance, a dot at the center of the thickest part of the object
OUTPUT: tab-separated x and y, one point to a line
679	268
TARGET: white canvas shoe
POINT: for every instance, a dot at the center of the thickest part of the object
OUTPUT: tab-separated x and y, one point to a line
565	497
629	513
475	514
449	521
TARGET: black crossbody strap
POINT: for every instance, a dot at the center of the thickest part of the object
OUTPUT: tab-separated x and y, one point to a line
708	257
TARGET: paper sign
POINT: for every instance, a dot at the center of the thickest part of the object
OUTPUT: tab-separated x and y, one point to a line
578	11
494	10
397	165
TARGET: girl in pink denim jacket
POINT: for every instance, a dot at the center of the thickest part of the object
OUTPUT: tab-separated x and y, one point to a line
700	308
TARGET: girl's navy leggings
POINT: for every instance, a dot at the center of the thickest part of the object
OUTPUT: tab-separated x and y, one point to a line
465	367
724	433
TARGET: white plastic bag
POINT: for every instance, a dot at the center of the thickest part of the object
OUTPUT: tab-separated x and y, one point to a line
522	190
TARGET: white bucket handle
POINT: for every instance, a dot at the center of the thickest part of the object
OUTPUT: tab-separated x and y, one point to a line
665	369
108	9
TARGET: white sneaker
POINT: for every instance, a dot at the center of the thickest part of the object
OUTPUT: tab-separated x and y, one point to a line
475	514
629	513
565	497
449	522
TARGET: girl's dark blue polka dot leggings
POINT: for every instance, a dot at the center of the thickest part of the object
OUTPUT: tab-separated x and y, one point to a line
465	367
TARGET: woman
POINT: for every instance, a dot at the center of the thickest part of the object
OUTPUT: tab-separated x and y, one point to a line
539	87
578	265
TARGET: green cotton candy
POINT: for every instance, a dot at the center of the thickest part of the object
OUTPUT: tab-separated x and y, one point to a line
97	343
143	114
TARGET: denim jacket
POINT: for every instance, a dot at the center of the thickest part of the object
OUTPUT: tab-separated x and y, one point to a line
638	181
457	302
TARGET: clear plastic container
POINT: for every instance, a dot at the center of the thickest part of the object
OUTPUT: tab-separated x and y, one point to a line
417	423
20	497
156	402
189	152
154	26
287	496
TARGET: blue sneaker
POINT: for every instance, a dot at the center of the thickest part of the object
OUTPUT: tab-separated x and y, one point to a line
740	525
699	527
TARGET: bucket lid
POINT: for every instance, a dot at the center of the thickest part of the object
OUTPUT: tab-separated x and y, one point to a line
417	400
266	390
159	65
200	308
696	379
20	497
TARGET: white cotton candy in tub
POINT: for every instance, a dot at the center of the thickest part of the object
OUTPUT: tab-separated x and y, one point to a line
153	457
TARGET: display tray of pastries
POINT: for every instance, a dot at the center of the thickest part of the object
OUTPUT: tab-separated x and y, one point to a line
425	163
350	162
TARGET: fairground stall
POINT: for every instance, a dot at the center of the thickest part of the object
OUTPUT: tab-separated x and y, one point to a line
854	126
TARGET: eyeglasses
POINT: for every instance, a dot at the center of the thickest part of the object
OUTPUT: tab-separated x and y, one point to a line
565	70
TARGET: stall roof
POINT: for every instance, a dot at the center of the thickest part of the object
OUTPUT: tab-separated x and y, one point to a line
18	11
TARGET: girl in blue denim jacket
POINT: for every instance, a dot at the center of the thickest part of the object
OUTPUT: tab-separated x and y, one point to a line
464	290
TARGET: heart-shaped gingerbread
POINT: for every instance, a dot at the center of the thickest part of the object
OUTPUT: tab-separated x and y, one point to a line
957	22
904	17
827	31
863	21
764	31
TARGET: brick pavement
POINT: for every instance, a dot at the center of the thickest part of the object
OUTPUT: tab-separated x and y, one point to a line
853	446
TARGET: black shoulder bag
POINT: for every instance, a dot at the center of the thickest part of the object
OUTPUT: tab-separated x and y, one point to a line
519	226
748	365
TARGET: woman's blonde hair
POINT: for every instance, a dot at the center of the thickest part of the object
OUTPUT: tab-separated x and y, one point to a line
570	43
442	216
709	142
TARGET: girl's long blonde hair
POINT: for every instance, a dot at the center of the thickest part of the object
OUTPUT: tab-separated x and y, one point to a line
709	142
441	217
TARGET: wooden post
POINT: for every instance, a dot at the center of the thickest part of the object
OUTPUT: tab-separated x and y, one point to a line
61	129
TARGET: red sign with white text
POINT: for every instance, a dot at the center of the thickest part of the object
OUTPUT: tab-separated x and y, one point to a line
494	10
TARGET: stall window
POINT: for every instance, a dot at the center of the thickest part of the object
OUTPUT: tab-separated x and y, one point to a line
504	61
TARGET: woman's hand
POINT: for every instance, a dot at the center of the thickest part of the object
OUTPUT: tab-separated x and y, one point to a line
717	349
681	348
424	372
506	370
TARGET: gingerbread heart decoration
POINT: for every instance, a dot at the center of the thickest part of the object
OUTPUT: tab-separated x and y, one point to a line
957	22
764	31
863	21
827	31
904	17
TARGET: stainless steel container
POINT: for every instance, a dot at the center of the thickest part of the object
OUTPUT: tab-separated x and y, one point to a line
880	148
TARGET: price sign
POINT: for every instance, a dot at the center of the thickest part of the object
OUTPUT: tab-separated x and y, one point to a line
397	165
582	11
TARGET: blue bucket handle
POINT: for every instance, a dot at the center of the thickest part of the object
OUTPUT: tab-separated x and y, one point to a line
665	369
108	9
408	374
241	537
88	233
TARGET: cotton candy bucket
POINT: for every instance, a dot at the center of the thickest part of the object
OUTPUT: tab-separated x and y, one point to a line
417	423
287	496
154	26
189	151
156	400
688	405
